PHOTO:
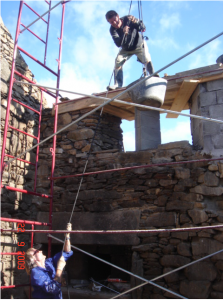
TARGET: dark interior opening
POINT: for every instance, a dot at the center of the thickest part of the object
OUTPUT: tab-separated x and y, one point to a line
81	266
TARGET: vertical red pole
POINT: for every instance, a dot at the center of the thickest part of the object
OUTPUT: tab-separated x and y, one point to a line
55	128
30	287
38	140
47	32
32	236
10	88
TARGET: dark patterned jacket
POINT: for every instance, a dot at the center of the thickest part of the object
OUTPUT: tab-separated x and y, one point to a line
133	39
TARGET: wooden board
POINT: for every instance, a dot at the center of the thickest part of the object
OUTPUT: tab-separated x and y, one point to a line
182	97
179	90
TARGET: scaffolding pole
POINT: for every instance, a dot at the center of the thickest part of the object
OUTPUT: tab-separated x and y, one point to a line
99	107
139	167
123	102
122	93
121	269
136	231
168	273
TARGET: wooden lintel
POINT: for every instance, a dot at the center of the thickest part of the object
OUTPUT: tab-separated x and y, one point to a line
182	97
78	104
119	112
91	103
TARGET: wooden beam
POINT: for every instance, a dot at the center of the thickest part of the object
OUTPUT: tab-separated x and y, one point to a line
78	104
73	105
182	97
118	112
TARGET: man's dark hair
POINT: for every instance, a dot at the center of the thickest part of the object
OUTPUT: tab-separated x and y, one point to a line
110	14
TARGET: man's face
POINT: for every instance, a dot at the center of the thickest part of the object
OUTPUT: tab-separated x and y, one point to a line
115	22
38	255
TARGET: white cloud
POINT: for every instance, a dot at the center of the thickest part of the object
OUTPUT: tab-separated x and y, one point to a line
206	55
170	22
74	80
129	140
165	43
180	132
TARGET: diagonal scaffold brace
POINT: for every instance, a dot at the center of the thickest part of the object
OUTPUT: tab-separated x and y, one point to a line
121	269
114	98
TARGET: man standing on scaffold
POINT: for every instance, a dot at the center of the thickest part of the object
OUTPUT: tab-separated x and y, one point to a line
125	33
46	273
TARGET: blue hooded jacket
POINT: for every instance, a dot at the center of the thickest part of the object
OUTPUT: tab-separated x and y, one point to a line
42	280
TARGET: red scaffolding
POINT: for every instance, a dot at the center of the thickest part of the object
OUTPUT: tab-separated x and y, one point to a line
14	72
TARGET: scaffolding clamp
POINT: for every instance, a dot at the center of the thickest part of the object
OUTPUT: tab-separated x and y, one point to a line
52	151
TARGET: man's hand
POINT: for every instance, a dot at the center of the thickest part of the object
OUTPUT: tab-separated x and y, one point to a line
126	29
69	228
132	19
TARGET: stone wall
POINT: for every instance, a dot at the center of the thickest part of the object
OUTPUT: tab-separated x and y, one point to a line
207	101
184	195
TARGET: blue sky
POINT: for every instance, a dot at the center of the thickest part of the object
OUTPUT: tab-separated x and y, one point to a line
173	28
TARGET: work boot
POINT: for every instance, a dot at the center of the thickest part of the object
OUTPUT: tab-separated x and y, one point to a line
118	80
150	69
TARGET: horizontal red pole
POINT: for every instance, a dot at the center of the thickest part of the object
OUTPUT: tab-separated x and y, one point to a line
13	286
24	221
36	60
34	34
36	111
35	12
10	188
136	167
119	231
10	253
29	80
26	133
25	161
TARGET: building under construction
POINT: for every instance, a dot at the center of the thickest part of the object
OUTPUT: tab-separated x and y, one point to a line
146	223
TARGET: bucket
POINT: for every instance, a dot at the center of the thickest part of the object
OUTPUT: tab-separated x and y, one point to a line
151	92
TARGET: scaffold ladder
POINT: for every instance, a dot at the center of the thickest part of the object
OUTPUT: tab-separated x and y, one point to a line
4	154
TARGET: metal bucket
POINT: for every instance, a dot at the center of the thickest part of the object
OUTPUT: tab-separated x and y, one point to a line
151	92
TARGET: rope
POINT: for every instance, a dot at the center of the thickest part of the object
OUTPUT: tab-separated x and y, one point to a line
80	184
144	51
90	151
78	191
130	7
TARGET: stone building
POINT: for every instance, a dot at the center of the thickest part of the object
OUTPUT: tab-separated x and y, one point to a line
165	195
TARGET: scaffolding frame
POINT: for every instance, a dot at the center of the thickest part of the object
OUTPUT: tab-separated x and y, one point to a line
52	178
39	113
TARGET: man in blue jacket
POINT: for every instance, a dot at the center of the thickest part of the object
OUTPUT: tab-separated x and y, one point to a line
46	273
125	34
